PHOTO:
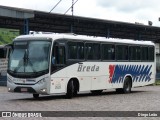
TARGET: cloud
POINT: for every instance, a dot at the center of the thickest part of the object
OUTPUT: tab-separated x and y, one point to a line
131	10
118	10
128	5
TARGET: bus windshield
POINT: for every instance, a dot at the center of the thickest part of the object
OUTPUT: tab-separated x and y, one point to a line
29	57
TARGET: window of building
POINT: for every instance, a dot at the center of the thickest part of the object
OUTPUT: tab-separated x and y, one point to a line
3	52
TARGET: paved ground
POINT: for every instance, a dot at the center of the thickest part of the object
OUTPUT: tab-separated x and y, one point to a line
141	99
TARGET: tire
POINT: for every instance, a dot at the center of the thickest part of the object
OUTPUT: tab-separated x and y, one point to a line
35	96
96	92
126	86
71	90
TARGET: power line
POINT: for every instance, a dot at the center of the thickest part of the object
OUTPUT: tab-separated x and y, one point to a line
55	6
71	7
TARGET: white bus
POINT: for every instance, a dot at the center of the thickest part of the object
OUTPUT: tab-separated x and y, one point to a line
52	64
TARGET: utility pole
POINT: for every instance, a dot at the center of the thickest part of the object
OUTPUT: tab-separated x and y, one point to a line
72	10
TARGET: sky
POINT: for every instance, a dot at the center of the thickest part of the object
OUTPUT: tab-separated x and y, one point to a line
131	11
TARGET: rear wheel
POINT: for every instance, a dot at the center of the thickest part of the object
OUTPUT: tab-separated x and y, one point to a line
35	96
126	86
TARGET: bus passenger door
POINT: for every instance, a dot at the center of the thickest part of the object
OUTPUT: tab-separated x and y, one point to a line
58	59
58	76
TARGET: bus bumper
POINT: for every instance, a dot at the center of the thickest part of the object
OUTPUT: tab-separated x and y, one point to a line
39	87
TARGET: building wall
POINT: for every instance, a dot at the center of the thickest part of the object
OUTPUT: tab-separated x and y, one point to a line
158	60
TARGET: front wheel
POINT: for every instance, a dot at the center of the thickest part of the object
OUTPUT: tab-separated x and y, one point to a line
35	96
71	90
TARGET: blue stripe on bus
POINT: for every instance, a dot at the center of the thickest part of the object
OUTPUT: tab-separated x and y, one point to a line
139	73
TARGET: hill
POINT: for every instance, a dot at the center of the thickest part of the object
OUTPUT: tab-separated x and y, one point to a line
7	35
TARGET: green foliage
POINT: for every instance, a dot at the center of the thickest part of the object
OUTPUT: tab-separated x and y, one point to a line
157	82
7	35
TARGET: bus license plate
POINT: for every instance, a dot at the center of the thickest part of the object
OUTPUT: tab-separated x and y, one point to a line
24	89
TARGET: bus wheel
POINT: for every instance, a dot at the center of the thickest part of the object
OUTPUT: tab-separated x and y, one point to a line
96	92
126	86
35	96
71	91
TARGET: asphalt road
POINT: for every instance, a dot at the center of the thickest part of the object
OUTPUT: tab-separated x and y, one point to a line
141	99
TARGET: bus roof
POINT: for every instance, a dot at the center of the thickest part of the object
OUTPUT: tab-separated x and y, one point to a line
55	36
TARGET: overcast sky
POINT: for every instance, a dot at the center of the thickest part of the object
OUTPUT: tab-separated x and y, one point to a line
118	10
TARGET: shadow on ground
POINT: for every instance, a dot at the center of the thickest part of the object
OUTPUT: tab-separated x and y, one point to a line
55	97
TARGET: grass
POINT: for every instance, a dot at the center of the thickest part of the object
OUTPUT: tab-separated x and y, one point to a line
7	35
157	82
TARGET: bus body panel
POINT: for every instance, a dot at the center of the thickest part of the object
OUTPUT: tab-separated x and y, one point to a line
104	77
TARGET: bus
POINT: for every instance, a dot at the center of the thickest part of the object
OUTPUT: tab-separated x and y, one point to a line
51	64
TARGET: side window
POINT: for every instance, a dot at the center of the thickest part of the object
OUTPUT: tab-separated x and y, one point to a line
108	52
144	53
151	53
135	53
92	51
89	51
80	53
3	52
122	52
75	50
96	51
59	52
61	55
72	50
